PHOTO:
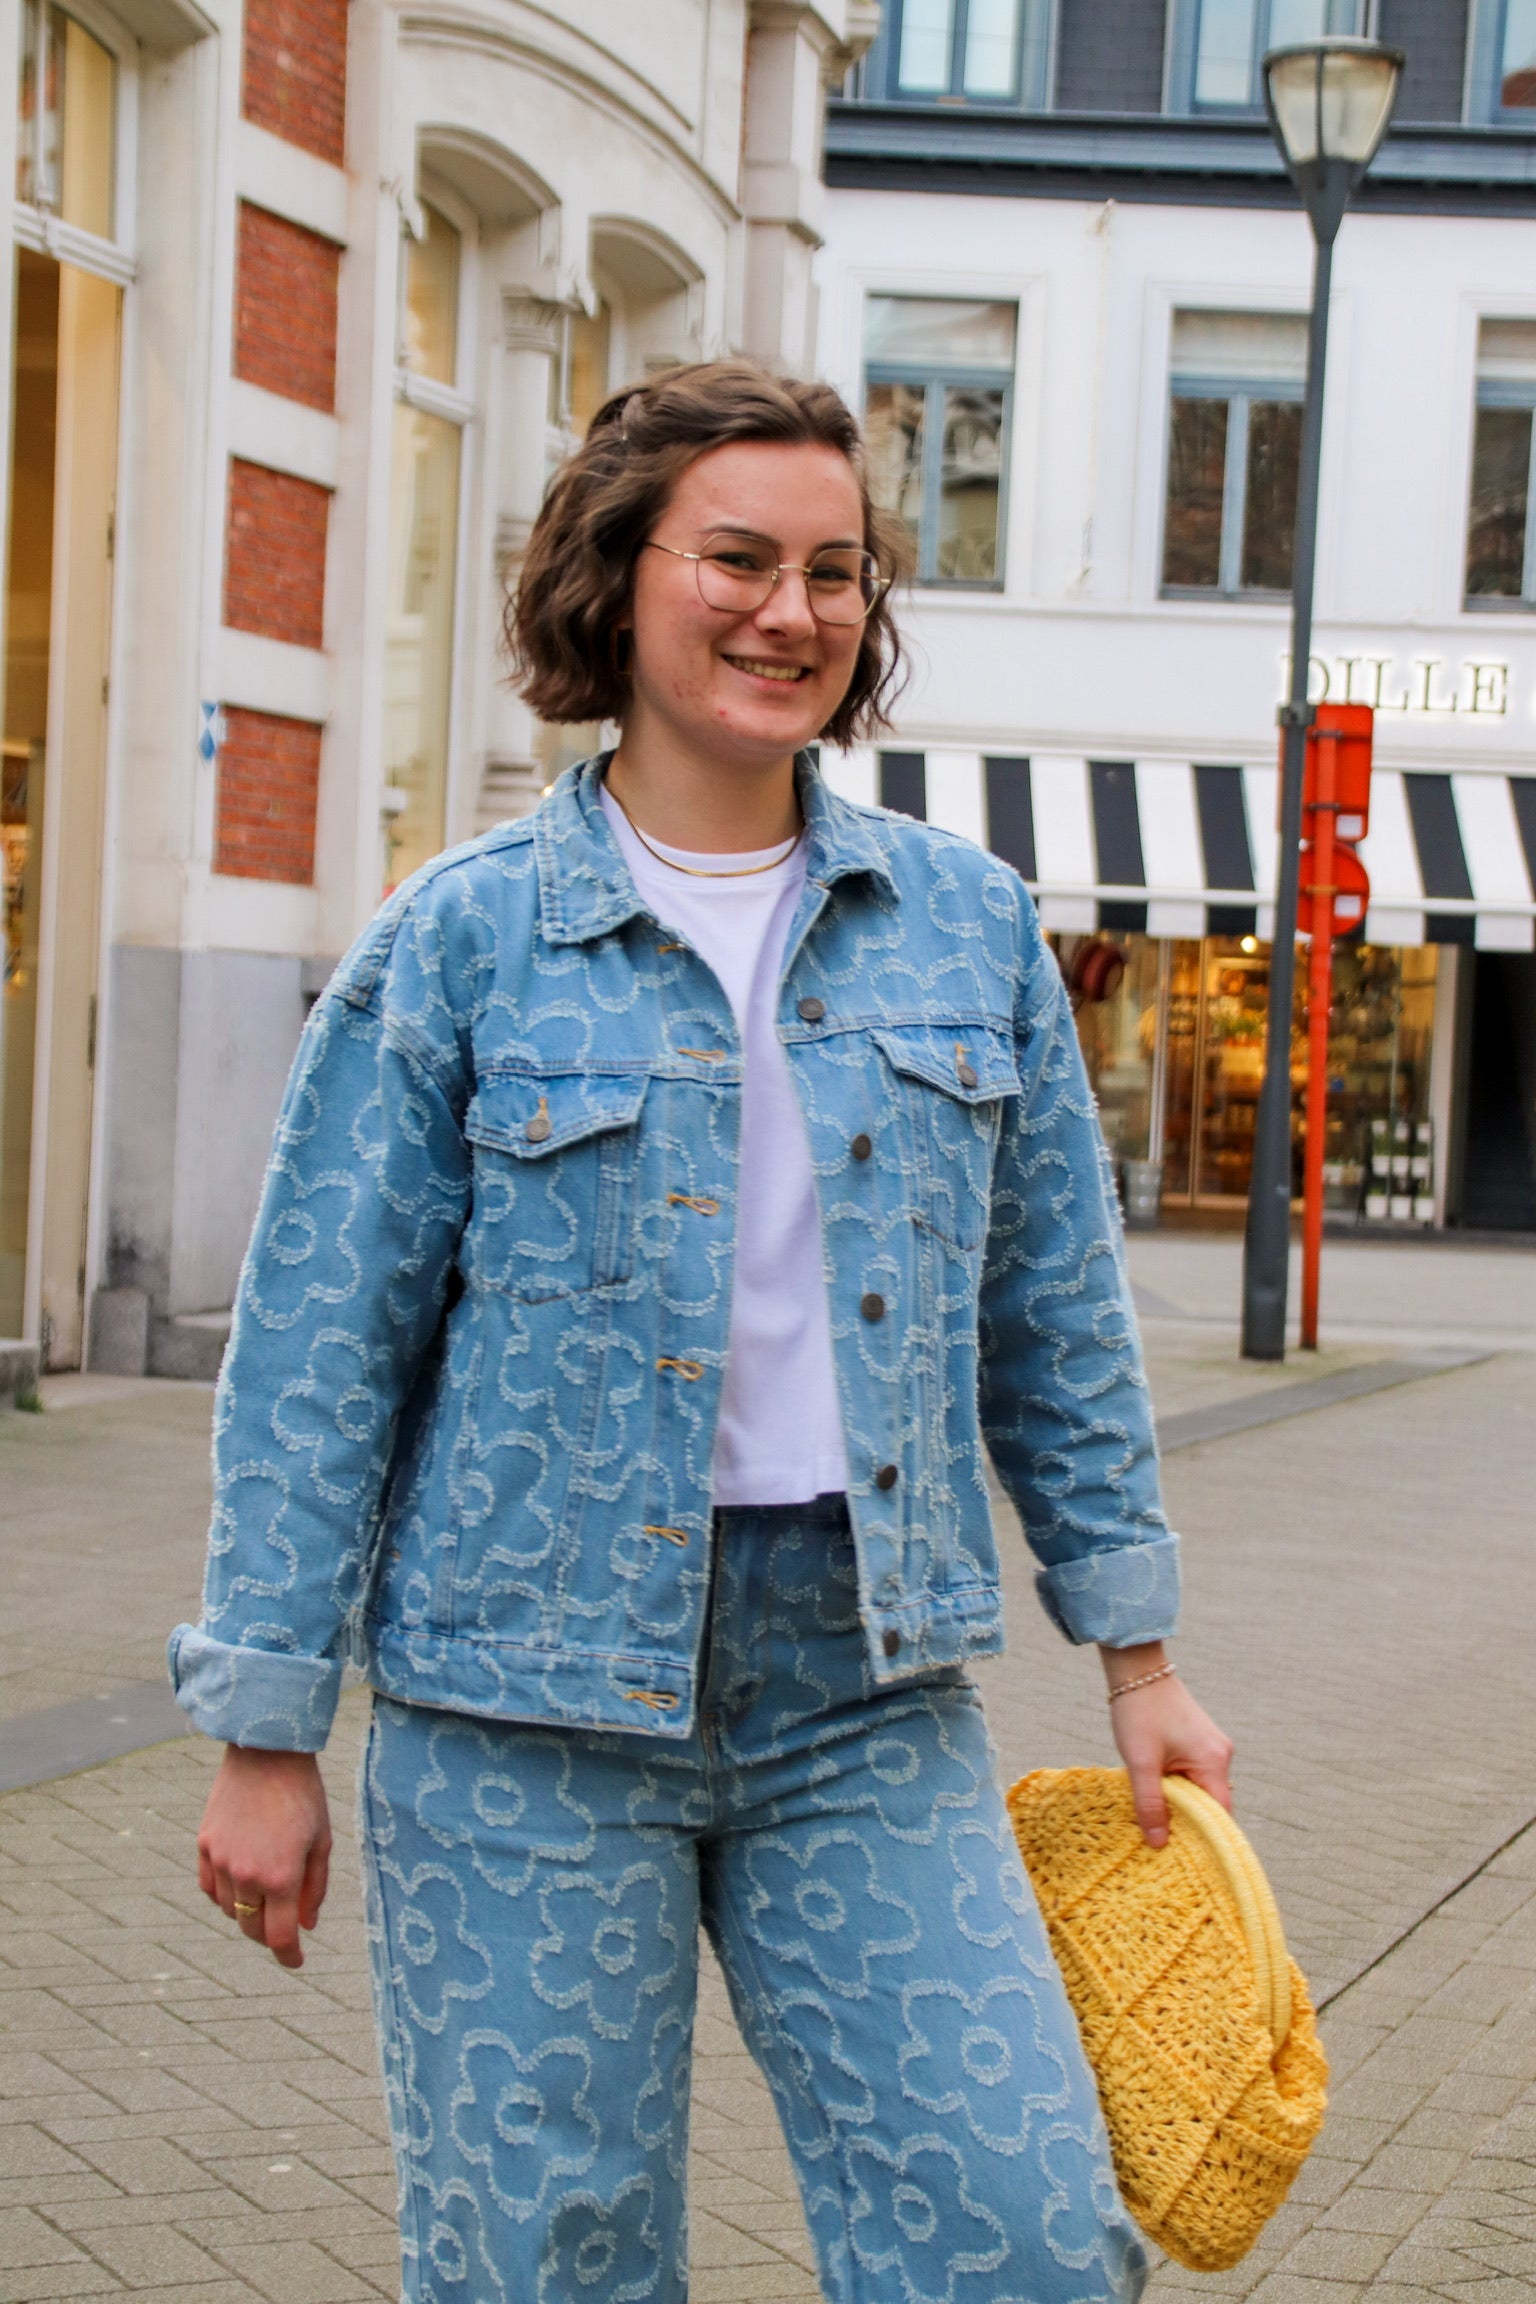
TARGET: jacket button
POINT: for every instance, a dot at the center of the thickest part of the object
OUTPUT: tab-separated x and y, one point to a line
861	1147
887	1476
965	1074
891	1643
811	1010
872	1306
538	1128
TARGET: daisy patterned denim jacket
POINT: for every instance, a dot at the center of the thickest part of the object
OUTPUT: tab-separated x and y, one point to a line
465	1423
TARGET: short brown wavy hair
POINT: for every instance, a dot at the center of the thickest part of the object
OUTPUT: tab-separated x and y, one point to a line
577	576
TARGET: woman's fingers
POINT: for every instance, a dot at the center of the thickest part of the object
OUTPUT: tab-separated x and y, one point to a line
1151	1806
264	1847
1161	1731
317	1873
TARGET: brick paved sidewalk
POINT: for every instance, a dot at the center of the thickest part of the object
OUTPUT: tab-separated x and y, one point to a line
186	2124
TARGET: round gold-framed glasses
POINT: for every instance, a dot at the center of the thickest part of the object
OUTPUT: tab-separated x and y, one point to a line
736	574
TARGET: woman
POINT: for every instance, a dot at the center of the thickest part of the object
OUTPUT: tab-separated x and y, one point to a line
672	1192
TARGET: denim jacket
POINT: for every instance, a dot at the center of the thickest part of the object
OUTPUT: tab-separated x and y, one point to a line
465	1425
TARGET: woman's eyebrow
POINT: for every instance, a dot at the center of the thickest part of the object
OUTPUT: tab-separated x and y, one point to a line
759	536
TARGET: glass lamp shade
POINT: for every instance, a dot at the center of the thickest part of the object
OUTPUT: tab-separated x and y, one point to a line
1332	99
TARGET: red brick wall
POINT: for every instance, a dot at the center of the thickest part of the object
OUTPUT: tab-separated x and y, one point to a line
269	783
296	72
285	308
274	568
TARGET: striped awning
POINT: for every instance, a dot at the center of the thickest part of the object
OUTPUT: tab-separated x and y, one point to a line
1186	848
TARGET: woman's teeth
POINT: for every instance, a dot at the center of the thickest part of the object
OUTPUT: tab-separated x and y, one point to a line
769	671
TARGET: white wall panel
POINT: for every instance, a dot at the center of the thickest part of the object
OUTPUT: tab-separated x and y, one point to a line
1261	792
1387	851
1170	829
854	774
1064	850
957	795
1490	835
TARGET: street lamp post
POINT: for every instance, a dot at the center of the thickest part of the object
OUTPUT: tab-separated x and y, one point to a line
1329	103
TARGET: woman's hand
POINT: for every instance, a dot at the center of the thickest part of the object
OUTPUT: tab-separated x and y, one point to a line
264	1849
1161	1731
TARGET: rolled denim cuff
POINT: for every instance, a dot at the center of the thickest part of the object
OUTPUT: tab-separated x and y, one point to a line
256	1696
1120	1597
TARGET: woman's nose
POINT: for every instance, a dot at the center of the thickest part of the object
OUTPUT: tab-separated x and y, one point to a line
788	606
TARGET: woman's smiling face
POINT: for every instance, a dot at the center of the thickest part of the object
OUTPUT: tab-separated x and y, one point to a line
756	686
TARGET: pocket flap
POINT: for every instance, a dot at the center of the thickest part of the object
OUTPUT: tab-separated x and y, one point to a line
531	1115
974	1063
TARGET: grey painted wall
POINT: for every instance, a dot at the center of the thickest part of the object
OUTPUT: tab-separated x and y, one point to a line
1433	35
199	1052
141	1055
1109	56
241	1016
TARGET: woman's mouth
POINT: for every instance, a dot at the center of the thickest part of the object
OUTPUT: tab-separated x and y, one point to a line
761	669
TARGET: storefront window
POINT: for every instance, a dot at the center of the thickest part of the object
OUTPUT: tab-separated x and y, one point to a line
1112	982
1378	1064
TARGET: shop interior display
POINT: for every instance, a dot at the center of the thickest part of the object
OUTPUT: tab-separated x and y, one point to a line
1172	1033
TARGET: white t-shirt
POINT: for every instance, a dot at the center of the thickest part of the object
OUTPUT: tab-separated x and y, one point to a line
780	1437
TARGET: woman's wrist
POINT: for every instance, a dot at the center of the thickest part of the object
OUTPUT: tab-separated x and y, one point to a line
1125	1664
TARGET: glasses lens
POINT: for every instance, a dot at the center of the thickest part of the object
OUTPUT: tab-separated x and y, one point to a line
843	586
736	573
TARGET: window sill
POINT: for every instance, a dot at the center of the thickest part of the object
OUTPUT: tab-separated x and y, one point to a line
1498	604
1209	595
984	584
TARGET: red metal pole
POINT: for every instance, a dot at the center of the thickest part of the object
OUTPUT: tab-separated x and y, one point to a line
1324	822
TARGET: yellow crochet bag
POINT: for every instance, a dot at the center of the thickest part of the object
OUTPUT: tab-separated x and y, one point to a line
1194	2017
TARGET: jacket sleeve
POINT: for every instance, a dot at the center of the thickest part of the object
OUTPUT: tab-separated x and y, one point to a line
340	1295
1064	1402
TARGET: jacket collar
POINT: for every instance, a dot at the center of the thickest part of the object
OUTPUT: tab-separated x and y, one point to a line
585	888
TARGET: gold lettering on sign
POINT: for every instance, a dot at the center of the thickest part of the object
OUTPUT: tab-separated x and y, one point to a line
1423	690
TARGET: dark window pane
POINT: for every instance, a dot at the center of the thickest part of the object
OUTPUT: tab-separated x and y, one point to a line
1197	463
1269	512
893	443
970	474
1501	476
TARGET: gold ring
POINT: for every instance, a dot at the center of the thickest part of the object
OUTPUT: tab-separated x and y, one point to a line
244	1911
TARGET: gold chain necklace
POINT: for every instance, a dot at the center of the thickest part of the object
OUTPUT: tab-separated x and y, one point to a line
697	871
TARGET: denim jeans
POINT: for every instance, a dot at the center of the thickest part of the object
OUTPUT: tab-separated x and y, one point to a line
534	1899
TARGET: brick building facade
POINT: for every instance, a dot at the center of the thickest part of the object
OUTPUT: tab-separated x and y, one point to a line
309	298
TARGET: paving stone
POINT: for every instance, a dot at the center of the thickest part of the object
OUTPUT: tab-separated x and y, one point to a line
157	2072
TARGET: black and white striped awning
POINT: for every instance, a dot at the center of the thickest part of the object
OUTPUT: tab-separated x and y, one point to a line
1183	848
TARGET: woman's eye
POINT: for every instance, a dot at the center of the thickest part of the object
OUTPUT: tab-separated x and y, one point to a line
741	563
827	576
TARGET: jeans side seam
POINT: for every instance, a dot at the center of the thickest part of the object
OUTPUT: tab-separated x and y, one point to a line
763	2024
410	2211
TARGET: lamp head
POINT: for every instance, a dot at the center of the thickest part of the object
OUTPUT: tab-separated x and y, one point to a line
1329	102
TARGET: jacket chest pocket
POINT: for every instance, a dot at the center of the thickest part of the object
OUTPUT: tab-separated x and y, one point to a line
554	1181
951	1085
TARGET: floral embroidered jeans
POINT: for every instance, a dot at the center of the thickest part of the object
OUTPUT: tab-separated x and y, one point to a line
534	1898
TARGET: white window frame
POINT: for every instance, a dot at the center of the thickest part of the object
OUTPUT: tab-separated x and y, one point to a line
460	408
880	74
1184	53
1485	42
47	233
1239	397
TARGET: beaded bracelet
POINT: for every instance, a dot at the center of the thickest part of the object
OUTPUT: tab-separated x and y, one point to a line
1146	1680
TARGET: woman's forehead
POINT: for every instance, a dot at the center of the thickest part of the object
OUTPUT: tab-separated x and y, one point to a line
774	488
